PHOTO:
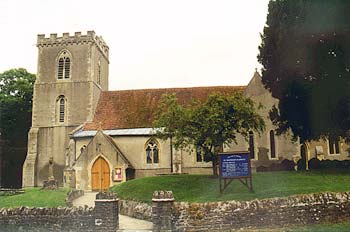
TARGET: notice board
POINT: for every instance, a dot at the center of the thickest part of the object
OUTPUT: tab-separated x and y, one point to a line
235	165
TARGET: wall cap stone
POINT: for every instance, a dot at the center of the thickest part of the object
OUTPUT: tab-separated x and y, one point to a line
106	200
162	196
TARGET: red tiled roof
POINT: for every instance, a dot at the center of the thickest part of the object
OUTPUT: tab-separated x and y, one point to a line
126	109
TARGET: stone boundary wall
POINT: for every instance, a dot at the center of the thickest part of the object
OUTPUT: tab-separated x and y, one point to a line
72	195
103	217
276	212
135	209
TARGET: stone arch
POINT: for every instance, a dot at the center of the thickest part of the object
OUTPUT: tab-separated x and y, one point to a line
63	65
152	151
90	166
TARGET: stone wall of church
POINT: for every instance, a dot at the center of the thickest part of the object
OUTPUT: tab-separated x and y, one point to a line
52	142
320	149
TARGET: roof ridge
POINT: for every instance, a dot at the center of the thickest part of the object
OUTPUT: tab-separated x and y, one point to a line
180	88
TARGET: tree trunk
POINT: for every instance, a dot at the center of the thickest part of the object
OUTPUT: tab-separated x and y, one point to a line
215	170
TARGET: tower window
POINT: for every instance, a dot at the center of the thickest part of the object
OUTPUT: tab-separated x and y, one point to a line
60	68
99	73
61	108
64	65
66	68
152	152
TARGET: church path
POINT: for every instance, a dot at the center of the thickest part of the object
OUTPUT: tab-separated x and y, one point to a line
126	224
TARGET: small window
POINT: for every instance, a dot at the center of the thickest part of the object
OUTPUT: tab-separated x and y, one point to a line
272	144
251	145
99	73
334	145
64	66
61	108
152	152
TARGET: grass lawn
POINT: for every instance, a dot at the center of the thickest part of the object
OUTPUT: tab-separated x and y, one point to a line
202	188
35	197
341	227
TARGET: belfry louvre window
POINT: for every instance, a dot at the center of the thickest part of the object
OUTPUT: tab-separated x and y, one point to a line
64	66
60	68
152	152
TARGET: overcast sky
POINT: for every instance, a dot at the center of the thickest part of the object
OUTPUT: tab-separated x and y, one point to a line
153	43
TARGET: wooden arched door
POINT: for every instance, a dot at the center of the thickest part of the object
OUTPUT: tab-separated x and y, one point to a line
100	175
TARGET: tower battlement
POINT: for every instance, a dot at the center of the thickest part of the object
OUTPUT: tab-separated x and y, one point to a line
77	38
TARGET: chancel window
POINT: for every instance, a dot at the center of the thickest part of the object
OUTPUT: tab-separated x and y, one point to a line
61	108
272	144
152	152
251	145
334	146
64	66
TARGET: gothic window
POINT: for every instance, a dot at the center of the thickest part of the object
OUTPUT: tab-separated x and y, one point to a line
152	152
333	144
272	144
251	145
199	154
61	108
64	65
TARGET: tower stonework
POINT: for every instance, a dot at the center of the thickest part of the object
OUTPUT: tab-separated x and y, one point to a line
72	72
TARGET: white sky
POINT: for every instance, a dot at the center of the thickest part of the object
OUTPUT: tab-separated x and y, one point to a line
153	43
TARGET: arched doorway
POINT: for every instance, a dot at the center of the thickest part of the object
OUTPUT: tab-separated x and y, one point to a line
100	175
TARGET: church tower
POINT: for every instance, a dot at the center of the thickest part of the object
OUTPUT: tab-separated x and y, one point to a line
72	72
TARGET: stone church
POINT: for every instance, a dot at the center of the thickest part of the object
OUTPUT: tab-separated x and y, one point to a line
97	138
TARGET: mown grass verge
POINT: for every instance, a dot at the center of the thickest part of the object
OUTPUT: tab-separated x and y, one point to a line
35	197
204	188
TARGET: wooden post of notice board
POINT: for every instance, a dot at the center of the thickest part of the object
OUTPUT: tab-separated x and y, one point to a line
235	165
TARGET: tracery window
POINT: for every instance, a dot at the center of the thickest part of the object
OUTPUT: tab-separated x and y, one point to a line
64	65
152	152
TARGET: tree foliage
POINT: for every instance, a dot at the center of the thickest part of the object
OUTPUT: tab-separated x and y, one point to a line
305	53
207	125
16	92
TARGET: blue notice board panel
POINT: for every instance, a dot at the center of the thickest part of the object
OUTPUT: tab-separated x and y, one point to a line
234	165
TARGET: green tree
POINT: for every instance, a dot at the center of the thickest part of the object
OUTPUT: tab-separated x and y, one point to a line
16	92
207	125
305	53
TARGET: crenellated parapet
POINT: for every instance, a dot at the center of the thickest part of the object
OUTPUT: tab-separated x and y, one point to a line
77	38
